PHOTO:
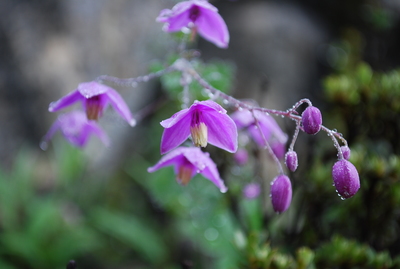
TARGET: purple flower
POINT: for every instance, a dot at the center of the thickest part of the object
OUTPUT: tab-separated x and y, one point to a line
269	127
205	121
252	190
311	119
241	156
76	128
345	178
291	160
189	161
200	15
281	193
95	98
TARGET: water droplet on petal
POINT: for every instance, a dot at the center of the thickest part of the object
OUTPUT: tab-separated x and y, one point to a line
43	145
133	123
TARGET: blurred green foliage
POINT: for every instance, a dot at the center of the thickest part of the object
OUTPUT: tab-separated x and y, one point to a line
218	73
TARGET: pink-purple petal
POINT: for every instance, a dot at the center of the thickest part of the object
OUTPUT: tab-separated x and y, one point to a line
118	103
207	105
205	166
92	88
93	127
178	116
174	157
212	27
66	101
222	131
206	5
242	118
76	129
177	18
175	135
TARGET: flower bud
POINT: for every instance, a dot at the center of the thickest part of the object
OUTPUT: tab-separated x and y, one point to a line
281	193
311	120
291	160
345	178
345	151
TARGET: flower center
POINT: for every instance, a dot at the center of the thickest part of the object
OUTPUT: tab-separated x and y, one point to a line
94	108
198	130
184	173
194	13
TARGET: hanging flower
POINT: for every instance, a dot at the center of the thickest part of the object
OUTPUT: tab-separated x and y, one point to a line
95	98
206	122
269	127
188	162
76	129
199	15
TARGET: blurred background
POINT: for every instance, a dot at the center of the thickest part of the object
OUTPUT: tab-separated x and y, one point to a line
100	207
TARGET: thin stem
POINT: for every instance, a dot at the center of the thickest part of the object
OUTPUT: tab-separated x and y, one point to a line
332	135
185	82
295	135
267	146
132	82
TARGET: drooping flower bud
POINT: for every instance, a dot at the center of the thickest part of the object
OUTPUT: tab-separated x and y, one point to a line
281	193
291	160
345	151
311	120
345	178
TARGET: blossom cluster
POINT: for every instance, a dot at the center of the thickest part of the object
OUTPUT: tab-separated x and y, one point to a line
78	125
206	122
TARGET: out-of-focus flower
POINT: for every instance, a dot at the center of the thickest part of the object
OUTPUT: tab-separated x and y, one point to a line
269	127
241	156
76	129
281	193
311	120
95	98
187	162
345	178
206	121
291	160
252	190
200	16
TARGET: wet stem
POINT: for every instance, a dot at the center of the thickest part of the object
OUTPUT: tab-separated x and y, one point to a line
188	72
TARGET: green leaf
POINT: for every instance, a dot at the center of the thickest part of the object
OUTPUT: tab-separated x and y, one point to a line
132	231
